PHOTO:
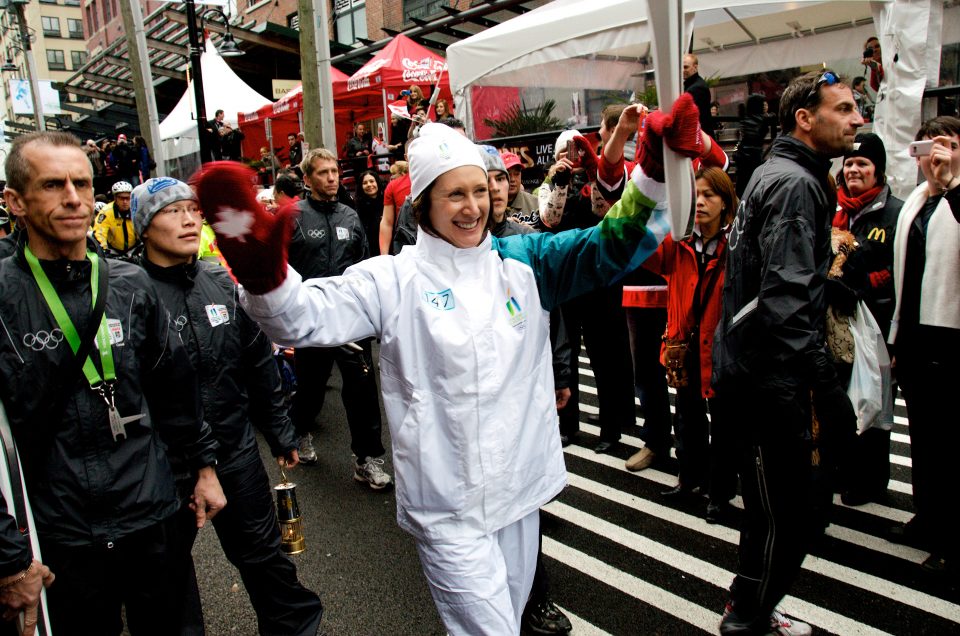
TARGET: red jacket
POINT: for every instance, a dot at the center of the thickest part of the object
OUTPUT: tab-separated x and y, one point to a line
676	261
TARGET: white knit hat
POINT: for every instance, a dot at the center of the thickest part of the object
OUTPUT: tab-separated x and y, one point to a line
562	140
437	150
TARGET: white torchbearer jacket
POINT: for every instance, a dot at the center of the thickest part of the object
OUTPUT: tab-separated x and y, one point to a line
465	358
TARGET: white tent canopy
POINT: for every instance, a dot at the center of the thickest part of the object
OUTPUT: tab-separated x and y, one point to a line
220	84
560	43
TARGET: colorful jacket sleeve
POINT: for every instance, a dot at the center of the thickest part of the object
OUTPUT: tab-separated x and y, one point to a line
571	263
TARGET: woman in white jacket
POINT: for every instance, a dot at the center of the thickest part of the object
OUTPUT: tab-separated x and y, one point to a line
463	318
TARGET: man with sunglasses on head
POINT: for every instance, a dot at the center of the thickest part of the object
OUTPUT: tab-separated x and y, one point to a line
769	350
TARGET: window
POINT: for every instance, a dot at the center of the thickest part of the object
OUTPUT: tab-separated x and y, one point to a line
48	1
106	12
421	8
72	3
55	60
75	28
351	20
51	26
78	59
93	16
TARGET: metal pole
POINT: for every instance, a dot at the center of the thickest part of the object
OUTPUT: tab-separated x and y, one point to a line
386	118
318	122
143	82
197	73
31	68
327	124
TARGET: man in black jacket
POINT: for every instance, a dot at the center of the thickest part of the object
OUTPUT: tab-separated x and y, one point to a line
769	351
328	238
94	442
698	89
240	386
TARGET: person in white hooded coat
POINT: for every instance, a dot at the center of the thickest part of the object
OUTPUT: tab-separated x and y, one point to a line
462	318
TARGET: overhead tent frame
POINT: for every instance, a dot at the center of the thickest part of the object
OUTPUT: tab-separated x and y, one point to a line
106	75
565	43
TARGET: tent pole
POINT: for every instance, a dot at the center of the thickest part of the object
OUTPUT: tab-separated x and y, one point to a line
386	117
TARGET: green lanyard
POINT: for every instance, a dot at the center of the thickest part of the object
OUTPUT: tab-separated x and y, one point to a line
66	325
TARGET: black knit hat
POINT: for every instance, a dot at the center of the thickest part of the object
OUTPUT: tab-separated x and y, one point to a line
870	146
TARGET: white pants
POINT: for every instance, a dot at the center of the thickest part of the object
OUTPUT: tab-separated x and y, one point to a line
480	586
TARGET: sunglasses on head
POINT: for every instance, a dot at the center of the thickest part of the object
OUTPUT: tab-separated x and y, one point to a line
829	78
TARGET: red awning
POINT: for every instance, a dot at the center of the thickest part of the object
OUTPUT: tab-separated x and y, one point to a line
395	67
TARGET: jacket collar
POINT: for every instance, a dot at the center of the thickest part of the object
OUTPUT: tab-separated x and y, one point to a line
790	147
323	207
182	274
438	251
21	259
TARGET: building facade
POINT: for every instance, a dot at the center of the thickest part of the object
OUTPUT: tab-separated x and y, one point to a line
58	40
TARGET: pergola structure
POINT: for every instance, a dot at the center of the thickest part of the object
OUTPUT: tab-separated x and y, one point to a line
273	51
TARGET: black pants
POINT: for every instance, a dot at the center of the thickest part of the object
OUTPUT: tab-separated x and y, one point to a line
250	536
598	316
705	449
361	399
646	327
928	375
140	572
777	528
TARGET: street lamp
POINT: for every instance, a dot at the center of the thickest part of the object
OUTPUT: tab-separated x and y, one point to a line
228	48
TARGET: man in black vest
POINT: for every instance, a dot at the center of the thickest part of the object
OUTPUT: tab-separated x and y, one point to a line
328	238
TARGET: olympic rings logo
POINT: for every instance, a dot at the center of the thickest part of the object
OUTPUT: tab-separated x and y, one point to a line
180	323
317	234
43	340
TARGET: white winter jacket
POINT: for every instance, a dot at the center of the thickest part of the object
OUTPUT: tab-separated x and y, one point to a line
465	358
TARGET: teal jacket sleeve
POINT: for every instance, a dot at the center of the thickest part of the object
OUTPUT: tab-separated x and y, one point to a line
571	263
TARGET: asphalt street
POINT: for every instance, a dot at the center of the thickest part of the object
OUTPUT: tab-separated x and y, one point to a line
620	559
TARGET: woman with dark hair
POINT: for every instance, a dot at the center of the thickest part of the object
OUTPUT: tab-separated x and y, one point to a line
475	455
369	200
694	268
868	210
753	133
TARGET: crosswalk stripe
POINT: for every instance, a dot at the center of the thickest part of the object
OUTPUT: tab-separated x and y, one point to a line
582	627
720	577
700	569
636	442
637	588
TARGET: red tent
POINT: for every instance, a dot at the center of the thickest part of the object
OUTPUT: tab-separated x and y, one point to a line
403	62
285	118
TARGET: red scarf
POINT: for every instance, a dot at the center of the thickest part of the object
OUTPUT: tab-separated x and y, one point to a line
849	206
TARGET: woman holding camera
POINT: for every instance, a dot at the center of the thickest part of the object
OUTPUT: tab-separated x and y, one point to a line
694	268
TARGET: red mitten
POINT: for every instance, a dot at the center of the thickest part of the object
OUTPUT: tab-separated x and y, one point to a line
682	128
253	241
588	158
650	148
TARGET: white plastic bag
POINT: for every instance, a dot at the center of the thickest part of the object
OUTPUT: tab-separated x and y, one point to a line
871	386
